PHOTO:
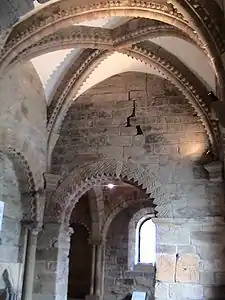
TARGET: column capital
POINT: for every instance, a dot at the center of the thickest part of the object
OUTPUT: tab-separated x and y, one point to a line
33	227
51	181
214	169
96	241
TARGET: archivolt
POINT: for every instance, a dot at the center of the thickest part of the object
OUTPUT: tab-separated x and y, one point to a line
168	66
98	173
101	38
62	14
120	207
26	182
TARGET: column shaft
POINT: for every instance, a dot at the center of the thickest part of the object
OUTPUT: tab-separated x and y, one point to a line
93	269
30	265
98	269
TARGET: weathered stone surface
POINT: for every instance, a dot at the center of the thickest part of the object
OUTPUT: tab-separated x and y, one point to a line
161	291
165	267
185	291
187	270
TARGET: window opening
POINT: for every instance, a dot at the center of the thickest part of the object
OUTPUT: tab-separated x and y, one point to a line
146	242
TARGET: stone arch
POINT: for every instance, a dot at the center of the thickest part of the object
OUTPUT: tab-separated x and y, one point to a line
96	203
100	172
26	183
64	14
194	92
84	225
117	210
97	38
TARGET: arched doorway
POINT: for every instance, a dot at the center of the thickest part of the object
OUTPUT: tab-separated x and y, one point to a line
80	254
79	263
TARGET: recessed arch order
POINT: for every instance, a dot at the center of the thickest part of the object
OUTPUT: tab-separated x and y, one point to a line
64	13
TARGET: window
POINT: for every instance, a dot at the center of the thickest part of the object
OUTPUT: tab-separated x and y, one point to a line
1	213
142	238
145	241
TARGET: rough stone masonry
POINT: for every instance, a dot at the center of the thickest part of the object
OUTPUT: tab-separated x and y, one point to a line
190	215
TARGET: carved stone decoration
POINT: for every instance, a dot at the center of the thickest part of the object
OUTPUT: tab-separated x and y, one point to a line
62	13
26	182
101	172
173	70
208	20
108	39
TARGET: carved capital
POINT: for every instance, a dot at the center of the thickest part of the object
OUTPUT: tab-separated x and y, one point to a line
51	181
214	169
34	227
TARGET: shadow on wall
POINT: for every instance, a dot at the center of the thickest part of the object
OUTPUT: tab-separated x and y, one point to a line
7	293
80	258
128	297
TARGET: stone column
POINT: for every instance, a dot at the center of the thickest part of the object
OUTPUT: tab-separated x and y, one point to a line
93	270
30	262
103	269
98	269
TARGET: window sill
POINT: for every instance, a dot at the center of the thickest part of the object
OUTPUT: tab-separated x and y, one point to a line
145	268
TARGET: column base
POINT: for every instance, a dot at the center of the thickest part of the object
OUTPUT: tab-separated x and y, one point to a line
92	297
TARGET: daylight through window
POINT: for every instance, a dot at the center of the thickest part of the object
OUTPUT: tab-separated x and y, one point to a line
146	242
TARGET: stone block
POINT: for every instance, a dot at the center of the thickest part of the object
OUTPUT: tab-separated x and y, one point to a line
124	140
210	251
150	268
181	291
219	278
214	292
186	249
206	278
161	291
165	267
200	237
187	270
166	249
171	234
214	265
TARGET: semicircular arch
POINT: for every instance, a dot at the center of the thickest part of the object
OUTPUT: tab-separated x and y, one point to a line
25	181
101	172
62	18
160	65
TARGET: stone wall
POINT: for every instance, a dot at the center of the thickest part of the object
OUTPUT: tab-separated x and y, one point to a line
120	280
23	117
173	140
190	259
11	237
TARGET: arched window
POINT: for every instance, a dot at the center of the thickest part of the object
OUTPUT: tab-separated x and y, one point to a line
145	241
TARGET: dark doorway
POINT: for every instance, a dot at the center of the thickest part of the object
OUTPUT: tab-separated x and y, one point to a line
80	258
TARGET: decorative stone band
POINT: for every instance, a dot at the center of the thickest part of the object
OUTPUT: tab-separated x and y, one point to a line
66	11
102	171
61	15
91	37
209	15
167	65
205	16
26	182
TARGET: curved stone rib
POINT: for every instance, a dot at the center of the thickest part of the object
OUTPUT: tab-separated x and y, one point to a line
175	72
22	39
